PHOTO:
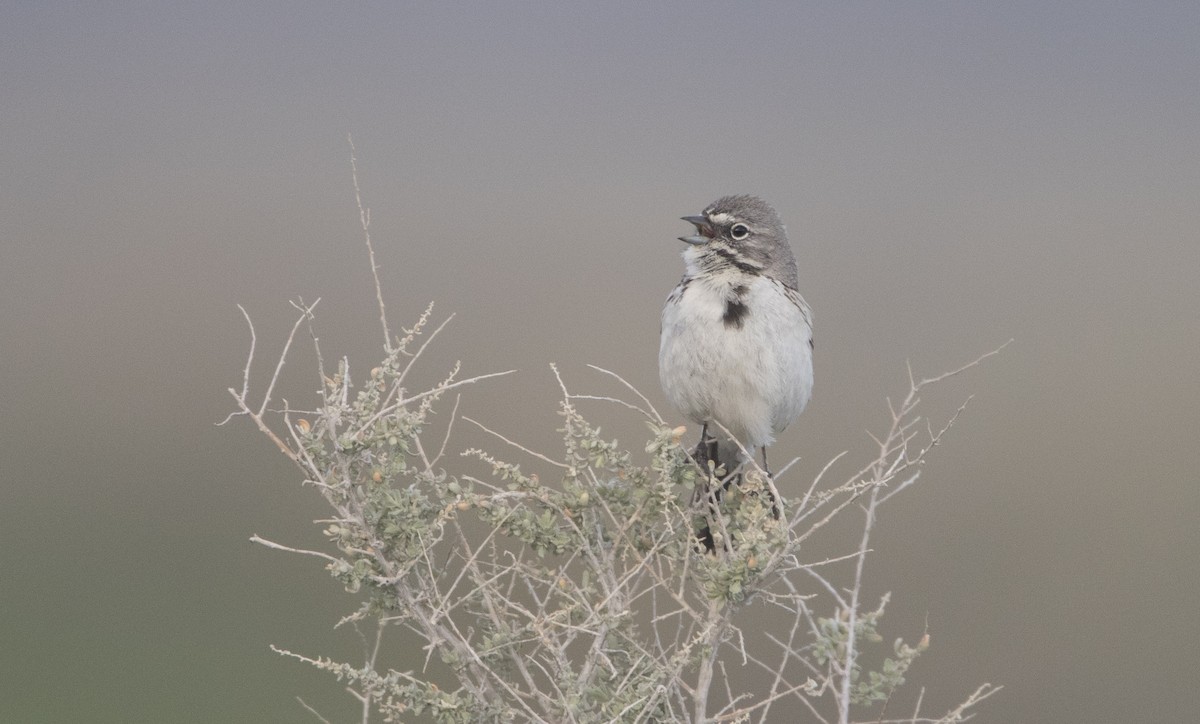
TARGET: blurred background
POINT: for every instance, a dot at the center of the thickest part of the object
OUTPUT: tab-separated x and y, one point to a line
953	175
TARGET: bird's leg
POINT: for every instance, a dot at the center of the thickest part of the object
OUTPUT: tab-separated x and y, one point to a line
730	477
706	453
702	455
710	443
776	508
703	452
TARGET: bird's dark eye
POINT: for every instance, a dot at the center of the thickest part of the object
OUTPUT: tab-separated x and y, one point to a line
739	232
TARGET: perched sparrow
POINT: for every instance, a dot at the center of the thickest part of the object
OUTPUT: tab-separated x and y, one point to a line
736	346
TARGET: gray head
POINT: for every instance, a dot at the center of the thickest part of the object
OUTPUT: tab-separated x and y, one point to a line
744	233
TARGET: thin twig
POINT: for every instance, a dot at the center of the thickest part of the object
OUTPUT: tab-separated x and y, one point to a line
289	549
517	445
364	217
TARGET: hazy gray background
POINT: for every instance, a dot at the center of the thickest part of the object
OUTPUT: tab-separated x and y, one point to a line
952	175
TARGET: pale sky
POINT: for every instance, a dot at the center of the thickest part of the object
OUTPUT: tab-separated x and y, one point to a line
952	175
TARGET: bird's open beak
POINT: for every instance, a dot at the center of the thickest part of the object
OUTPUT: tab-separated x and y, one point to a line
702	226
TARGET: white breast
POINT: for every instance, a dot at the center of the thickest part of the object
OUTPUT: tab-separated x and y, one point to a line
754	379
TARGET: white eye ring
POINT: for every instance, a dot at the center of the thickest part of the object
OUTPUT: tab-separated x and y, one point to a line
739	232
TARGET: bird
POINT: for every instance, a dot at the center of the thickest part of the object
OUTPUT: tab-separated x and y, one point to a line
736	344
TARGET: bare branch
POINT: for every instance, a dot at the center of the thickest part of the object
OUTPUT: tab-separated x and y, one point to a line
652	414
280	547
517	445
964	368
364	217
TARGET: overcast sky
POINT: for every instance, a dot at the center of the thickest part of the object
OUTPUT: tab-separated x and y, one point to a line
952	175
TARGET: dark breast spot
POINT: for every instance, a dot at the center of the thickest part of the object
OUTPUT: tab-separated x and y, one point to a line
736	309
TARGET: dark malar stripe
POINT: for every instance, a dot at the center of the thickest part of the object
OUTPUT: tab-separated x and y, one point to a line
737	261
